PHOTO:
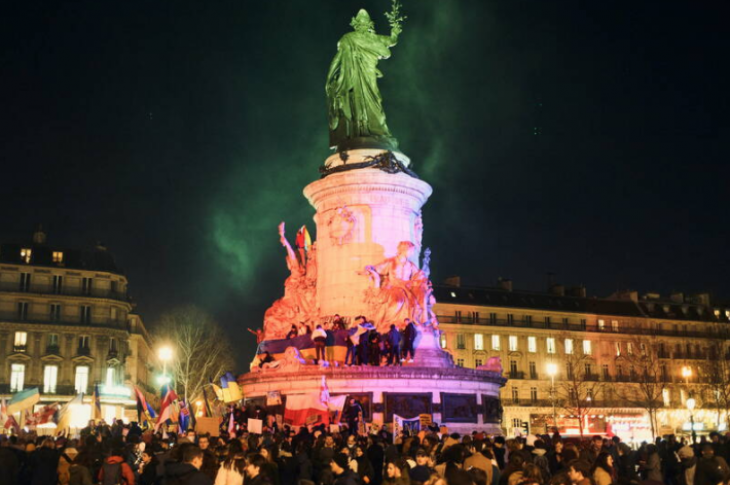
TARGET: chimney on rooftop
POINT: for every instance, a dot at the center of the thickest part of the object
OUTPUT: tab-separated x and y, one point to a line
578	291
453	281
504	283
627	295
39	236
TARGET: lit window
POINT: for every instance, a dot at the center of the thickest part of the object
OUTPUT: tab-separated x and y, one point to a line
496	342
601	324
478	341
25	255
614	325
21	339
53	340
110	376
460	362
460	341
587	349
17	377
531	344
81	383
513	343
630	348
477	362
50	378
84	342
57	257
442	340
550	345
642	349
569	346
666	397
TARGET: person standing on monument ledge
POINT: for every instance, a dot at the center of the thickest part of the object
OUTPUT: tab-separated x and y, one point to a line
409	338
319	336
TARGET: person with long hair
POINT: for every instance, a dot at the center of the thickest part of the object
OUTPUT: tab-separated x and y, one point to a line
396	473
232	469
603	472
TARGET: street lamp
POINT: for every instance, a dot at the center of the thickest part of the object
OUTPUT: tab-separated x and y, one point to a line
552	370
690	406
164	353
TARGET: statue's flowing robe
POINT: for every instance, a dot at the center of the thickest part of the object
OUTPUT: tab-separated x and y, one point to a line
355	104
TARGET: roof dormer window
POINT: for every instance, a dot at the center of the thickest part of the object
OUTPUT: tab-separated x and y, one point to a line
25	255
58	257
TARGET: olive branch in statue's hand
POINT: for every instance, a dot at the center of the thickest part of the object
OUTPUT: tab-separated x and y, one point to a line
395	17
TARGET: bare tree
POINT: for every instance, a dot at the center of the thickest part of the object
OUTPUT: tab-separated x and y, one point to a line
647	376
715	375
578	388
201	349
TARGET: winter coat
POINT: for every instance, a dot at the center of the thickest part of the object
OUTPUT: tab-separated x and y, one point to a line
79	475
9	465
602	477
126	472
43	467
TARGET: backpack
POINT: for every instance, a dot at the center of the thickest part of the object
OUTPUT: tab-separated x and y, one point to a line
112	474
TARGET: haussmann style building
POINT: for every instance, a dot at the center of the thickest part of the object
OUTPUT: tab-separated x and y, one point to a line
67	325
601	364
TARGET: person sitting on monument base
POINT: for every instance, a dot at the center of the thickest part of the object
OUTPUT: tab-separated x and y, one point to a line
319	336
293	332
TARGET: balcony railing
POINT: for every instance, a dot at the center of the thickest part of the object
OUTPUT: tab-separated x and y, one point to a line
576	327
516	375
66	291
20	348
83	351
45	318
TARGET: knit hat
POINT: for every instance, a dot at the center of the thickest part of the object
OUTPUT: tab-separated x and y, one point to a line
71	452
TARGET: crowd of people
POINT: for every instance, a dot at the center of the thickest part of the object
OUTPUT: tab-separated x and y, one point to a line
126	455
365	345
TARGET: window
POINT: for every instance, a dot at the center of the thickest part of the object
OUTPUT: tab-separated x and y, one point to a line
112	344
493	318
605	372
81	382
478	341
618	349
87	282
460	341
57	284
642	349
629	348
531	344
496	342
475	317
85	314
565	322
516	423
460	362
569	346
457	314
569	370
619	371
666	397
50	378
547	321
515	395
550	345
589	395
477	362
614	325
21	339
25	282
442	340
528	318
601	324
587	349
53	340
533	394
17	377
510	319
58	257
583	323
55	312
589	369
110	374
513	367
533	370
84	342
22	310
513	343
25	255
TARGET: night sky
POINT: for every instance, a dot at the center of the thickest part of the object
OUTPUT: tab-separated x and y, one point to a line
587	139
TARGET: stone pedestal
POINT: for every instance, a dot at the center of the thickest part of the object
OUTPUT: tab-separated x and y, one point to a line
361	217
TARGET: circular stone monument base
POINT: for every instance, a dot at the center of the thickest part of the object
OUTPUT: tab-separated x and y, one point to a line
461	399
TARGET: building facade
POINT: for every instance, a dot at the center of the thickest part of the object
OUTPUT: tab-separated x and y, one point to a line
67	326
596	365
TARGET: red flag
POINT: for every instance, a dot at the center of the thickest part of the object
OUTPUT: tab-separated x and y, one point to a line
166	408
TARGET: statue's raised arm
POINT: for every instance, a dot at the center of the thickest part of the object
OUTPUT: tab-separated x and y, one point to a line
355	107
